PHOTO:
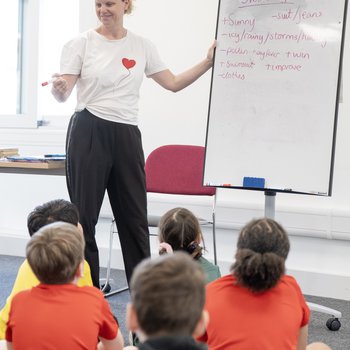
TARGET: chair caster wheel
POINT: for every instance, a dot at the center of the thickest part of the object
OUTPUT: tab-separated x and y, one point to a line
333	324
106	288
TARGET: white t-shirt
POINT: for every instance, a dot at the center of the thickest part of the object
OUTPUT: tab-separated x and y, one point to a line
110	73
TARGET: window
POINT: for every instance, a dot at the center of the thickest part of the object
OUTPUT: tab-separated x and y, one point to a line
59	21
10	63
35	31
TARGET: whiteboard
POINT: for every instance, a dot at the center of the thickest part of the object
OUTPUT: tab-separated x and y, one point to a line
274	94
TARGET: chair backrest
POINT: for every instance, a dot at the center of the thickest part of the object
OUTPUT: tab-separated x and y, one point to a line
177	169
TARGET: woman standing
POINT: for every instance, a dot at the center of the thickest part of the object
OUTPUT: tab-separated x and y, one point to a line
104	148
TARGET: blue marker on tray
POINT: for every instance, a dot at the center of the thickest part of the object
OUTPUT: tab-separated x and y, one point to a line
255	182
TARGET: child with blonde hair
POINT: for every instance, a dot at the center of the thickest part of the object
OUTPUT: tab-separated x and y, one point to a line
43	214
57	314
167	300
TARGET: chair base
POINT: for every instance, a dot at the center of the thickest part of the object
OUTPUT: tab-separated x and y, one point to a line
117	291
333	323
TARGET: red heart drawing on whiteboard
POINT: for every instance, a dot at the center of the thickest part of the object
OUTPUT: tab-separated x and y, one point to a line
128	63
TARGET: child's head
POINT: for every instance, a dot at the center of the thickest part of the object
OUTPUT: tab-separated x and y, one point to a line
167	297
180	228
47	213
262	249
55	253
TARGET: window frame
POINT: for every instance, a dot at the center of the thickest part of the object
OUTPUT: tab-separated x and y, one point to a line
28	95
29	67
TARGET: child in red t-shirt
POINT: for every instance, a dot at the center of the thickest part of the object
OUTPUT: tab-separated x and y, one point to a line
258	306
167	299
57	314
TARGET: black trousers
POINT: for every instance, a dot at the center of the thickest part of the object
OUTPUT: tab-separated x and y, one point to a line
104	155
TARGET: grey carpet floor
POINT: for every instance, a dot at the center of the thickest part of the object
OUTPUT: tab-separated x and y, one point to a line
339	340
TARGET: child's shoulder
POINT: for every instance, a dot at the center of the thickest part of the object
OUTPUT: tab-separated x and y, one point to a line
208	264
25	267
211	271
70	291
93	294
25	278
21	297
90	290
291	282
226	281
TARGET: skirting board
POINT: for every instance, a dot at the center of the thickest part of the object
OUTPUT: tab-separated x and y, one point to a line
319	219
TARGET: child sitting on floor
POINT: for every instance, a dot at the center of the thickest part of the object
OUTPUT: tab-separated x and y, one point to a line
52	211
167	299
258	306
179	229
57	314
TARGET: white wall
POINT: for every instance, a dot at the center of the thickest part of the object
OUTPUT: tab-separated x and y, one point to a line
183	31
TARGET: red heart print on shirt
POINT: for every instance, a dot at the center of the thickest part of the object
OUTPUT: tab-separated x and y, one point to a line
128	63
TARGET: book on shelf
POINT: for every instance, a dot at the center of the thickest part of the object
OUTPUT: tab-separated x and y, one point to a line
6	152
37	159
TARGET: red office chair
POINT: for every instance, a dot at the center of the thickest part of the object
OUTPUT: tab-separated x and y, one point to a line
178	169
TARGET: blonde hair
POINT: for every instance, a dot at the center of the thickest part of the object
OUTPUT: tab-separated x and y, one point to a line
168	294
130	7
55	252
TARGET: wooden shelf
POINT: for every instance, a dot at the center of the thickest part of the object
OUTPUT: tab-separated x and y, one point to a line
33	168
33	165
